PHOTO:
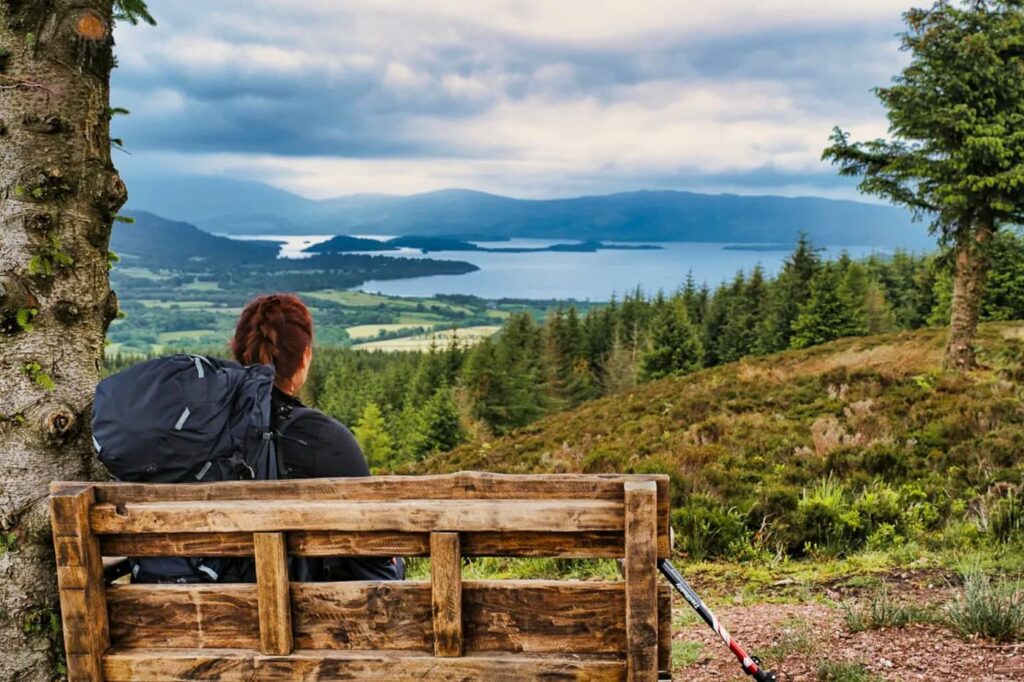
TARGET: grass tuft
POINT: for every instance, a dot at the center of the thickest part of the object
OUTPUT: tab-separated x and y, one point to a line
994	610
685	654
795	637
845	672
881	611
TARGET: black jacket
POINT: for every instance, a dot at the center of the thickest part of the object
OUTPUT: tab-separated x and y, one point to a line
329	450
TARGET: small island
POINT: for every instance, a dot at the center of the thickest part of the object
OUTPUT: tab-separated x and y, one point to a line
347	244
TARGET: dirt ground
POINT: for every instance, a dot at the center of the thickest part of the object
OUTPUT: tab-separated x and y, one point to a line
805	634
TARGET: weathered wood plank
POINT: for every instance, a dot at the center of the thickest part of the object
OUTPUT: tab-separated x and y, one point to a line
80	583
201	616
530	616
641	581
227	665
664	628
464	485
402	515
446	593
582	545
544	616
363	615
366	543
467	485
274	600
177	544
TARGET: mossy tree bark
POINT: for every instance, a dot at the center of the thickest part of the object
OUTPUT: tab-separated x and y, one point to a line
968	292
59	193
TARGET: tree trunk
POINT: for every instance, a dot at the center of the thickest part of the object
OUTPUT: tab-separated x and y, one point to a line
58	195
968	289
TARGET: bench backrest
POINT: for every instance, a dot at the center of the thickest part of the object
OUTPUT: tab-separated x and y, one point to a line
444	628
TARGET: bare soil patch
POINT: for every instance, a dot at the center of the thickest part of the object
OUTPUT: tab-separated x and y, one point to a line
799	637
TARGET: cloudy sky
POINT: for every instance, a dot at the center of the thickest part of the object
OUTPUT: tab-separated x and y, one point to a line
530	98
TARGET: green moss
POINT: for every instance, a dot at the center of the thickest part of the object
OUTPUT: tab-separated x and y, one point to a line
35	372
8	542
49	259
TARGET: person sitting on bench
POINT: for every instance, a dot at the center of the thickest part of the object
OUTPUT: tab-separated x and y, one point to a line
278	330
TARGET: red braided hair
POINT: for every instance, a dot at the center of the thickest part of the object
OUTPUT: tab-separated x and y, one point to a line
274	330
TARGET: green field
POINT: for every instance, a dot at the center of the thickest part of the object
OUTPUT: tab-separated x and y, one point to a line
169	310
363	332
423	342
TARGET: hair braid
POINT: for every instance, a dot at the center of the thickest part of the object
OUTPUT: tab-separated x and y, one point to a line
274	330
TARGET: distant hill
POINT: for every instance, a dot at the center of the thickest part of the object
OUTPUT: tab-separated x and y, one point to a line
155	242
239	207
346	244
746	443
169	243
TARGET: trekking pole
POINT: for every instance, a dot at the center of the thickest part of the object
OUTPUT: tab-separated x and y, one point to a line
751	664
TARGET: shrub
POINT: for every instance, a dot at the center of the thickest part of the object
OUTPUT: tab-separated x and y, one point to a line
705	528
1001	512
992	610
824	520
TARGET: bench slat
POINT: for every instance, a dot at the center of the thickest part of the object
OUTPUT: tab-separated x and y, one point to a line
582	545
403	515
530	616
641	582
463	485
227	665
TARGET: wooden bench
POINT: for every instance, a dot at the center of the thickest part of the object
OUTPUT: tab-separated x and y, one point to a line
445	628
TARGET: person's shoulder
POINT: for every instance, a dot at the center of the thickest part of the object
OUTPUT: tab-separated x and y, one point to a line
301	414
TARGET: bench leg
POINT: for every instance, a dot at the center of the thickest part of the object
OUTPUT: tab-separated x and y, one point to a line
83	601
641	582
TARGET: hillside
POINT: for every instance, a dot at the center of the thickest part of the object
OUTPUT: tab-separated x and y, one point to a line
224	205
861	442
157	241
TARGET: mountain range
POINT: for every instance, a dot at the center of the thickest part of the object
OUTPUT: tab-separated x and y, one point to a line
223	205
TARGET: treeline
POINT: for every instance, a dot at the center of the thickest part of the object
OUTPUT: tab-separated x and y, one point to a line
405	405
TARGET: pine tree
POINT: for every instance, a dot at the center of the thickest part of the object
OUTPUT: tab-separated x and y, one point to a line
520	372
373	436
829	313
1004	295
484	384
675	343
599	336
696	299
620	368
789	292
440	425
879	318
955	149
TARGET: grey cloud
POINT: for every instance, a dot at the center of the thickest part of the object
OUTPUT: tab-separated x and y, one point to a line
354	112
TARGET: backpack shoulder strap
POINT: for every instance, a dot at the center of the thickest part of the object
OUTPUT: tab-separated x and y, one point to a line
285	415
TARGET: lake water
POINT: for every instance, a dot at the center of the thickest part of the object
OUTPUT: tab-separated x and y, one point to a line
582	276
